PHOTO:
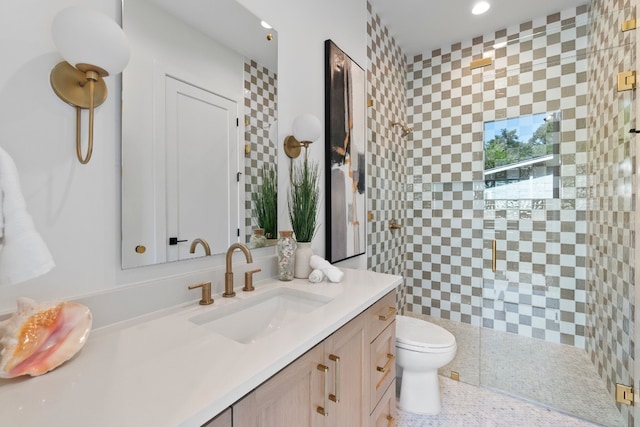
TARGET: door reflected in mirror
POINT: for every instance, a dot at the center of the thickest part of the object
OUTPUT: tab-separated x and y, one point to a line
199	125
522	157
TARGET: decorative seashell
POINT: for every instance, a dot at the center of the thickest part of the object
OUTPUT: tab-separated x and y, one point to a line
39	337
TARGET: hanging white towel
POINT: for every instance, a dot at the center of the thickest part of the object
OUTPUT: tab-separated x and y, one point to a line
24	254
334	274
1	220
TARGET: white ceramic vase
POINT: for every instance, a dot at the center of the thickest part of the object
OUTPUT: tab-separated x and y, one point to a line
302	269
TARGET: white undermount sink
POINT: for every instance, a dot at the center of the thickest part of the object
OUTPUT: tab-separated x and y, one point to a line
260	315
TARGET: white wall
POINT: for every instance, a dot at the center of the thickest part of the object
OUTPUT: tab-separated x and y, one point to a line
77	208
303	26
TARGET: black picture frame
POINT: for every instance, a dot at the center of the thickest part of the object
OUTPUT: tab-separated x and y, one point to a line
345	147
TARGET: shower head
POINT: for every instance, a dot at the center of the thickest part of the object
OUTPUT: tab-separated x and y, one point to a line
406	130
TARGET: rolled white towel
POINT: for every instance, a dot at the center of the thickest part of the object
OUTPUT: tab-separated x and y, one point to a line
333	273
316	276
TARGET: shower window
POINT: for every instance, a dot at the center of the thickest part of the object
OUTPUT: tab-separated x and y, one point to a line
521	157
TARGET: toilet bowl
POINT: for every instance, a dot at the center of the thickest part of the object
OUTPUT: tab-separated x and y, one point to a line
421	349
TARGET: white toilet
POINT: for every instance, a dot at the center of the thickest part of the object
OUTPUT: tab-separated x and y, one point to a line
421	349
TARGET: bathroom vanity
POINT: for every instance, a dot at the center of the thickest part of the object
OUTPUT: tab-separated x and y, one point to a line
340	382
289	352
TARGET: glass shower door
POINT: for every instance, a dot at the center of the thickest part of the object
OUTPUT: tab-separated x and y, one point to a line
557	201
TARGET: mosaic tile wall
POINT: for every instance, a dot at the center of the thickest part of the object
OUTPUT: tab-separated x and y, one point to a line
386	151
260	113
613	191
539	287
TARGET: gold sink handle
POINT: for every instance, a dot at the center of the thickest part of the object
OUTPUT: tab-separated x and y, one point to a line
206	292
248	280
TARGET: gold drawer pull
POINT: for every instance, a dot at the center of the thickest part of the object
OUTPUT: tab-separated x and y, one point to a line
390	312
384	368
322	410
391	420
336	397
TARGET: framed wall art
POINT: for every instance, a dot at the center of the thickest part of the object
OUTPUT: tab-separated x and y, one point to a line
345	119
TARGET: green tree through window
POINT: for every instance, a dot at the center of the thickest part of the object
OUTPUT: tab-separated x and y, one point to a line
505	146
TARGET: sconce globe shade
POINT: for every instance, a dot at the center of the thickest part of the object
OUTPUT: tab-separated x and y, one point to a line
273	132
307	127
85	36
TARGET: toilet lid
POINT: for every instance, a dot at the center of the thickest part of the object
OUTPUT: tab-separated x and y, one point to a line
420	333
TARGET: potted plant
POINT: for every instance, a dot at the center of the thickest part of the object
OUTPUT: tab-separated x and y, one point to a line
302	199
265	202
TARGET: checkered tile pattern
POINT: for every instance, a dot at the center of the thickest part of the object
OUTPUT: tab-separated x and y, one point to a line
553	281
613	187
260	114
444	249
386	151
539	288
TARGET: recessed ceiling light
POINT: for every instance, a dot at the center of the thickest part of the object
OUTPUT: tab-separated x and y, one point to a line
480	8
265	25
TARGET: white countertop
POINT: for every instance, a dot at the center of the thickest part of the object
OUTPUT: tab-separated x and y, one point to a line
164	370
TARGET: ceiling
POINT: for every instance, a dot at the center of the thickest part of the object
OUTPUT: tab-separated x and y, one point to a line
230	24
420	26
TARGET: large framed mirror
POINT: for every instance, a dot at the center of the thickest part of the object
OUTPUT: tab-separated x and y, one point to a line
199	126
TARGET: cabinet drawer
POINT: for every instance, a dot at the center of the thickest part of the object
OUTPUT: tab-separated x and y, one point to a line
383	363
385	413
382	313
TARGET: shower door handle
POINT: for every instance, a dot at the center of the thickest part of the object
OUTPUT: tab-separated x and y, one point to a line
494	244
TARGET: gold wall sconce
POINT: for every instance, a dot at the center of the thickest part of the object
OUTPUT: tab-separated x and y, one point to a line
306	129
93	46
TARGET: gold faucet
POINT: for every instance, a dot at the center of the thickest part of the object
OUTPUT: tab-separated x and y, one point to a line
228	276
205	245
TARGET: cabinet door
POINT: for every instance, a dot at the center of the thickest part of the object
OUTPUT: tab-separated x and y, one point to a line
346	358
290	398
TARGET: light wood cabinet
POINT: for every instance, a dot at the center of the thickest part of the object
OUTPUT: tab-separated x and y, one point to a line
384	415
221	420
382	364
346	380
381	328
290	398
346	355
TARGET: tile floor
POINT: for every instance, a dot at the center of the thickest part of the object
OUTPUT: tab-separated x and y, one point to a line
532	370
465	405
